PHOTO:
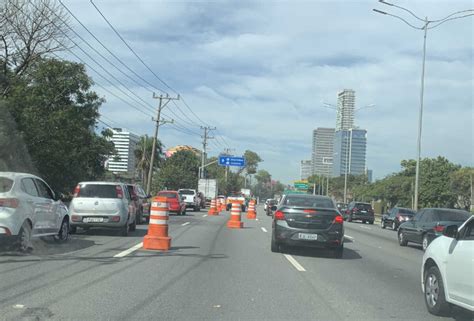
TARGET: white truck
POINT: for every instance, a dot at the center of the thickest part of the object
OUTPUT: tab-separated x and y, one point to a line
208	188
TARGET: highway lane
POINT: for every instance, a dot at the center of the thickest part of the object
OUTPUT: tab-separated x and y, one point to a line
212	272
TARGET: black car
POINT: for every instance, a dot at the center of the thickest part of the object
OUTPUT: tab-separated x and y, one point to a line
428	224
307	221
358	211
396	216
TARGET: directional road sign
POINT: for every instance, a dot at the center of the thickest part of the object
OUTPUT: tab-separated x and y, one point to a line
232	161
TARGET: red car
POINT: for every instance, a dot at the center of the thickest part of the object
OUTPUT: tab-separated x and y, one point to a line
175	202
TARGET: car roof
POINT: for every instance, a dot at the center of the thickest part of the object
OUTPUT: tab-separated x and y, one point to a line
14	175
446	209
363	203
101	183
167	191
308	196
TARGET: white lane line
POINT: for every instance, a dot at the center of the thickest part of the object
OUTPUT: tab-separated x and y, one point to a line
264	229
130	250
204	215
367	228
295	263
184	224
349	237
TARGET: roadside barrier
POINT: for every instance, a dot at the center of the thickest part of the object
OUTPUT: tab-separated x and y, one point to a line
157	236
251	213
235	220
212	208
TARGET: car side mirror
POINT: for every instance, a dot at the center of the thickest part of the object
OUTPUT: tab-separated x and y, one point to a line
274	208
451	231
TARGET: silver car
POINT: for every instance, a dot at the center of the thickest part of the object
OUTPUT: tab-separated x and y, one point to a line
102	204
29	208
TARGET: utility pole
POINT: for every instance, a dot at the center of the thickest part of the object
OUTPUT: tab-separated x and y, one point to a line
227	152
164	100
205	137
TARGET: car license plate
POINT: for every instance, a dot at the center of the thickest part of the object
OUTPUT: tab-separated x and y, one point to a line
306	236
93	219
363	212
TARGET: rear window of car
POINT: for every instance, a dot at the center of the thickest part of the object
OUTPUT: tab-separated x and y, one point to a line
167	194
406	212
186	192
309	202
98	191
364	207
454	216
6	184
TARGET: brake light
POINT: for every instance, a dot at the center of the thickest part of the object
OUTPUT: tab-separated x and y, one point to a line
77	190
310	211
118	191
338	219
439	228
279	216
9	202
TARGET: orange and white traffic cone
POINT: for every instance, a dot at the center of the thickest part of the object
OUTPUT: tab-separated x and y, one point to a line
157	237
222	204
218	208
234	221
251	213
212	209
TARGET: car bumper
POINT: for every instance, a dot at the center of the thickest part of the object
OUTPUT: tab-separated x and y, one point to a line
356	217
76	220
10	221
328	238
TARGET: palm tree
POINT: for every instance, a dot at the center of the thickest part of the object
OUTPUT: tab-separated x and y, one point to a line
143	152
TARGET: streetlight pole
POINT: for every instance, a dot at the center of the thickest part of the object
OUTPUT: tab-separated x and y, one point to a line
425	27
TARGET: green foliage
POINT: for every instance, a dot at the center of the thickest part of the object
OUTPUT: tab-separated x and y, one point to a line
143	153
252	159
178	171
55	114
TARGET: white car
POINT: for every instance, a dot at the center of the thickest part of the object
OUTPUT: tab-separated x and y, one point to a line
29	208
447	274
190	198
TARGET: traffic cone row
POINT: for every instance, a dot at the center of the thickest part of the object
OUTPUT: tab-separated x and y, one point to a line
251	214
235	219
213	208
157	236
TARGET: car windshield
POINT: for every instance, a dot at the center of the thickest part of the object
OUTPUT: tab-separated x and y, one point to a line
6	184
98	191
314	202
454	216
168	194
186	192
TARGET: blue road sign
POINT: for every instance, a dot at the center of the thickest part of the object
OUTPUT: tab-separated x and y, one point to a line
232	161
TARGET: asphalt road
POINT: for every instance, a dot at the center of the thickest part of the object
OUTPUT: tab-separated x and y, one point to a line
213	273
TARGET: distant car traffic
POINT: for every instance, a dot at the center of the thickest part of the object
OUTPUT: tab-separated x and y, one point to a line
103	205
202	200
140	200
190	198
447	273
341	207
358	211
29	208
396	216
428	224
176	203
270	202
307	221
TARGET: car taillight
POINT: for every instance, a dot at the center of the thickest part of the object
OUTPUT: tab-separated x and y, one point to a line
338	219
77	190
76	218
439	228
9	202
118	191
310	211
279	216
114	219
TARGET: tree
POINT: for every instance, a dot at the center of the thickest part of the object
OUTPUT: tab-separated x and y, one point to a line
178	171
143	155
30	30
55	114
252	159
460	182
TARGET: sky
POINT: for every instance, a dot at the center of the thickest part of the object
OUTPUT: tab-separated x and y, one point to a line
261	71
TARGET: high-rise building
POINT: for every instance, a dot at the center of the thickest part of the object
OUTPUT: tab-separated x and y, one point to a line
369	174
345	109
125	144
323	142
306	169
349	152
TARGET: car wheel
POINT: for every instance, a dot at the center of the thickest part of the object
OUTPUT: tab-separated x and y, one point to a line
133	226
402	239
349	219
394	226
371	222
63	234
24	237
196	208
338	251
72	229
435	298
183	212
425	242
382	223
125	229
275	247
